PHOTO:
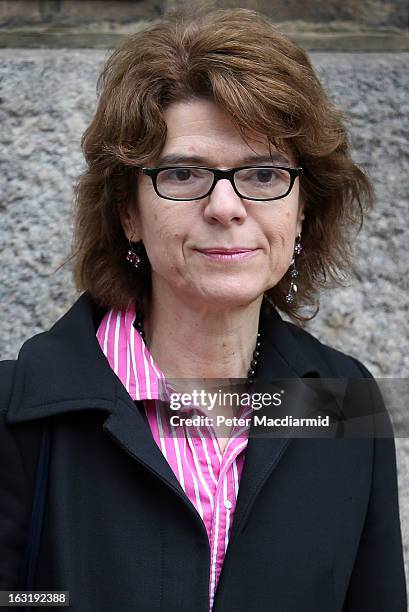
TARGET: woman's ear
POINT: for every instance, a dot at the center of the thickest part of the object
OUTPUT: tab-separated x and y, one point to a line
129	223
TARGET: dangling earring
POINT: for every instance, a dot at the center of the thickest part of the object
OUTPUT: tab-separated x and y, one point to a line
290	297
132	257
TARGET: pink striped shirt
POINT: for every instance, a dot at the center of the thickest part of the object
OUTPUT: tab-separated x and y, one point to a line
210	478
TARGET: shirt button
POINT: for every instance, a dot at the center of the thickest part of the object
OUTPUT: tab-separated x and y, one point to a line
227	504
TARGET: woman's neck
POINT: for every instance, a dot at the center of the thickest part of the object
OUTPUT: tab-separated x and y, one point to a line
191	341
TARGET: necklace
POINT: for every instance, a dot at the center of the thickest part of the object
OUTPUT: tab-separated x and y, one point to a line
252	372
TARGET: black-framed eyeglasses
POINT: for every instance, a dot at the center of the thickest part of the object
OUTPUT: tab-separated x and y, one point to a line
258	183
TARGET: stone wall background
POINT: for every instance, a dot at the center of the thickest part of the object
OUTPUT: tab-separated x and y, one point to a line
366	13
349	25
46	100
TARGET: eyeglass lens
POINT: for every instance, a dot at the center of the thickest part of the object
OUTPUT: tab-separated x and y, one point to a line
190	183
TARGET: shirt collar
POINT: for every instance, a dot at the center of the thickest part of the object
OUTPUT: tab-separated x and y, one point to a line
128	355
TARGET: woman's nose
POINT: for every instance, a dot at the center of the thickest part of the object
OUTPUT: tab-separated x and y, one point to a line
224	205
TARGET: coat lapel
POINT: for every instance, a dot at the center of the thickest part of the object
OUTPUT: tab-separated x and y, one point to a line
128	428
283	365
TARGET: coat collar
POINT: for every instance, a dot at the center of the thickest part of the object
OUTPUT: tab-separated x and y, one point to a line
64	370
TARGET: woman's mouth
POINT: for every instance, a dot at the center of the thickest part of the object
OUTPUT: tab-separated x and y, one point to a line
233	254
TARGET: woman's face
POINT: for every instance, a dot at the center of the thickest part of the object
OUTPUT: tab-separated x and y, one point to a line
178	235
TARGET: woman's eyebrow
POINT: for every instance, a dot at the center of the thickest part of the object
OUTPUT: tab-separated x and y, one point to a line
174	158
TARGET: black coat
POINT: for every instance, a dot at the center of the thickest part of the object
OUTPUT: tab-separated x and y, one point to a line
316	526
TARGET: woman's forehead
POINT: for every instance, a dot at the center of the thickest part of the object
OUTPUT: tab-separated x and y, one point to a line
199	131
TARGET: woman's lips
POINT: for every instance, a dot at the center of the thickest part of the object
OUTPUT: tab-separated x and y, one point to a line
227	254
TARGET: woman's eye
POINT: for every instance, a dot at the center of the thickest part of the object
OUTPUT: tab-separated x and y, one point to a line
265	176
182	174
260	175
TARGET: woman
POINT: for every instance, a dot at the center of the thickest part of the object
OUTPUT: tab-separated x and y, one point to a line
218	191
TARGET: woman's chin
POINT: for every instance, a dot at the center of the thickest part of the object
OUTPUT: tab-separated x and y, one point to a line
227	298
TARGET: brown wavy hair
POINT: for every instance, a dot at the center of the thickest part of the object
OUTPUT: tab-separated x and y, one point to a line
239	60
